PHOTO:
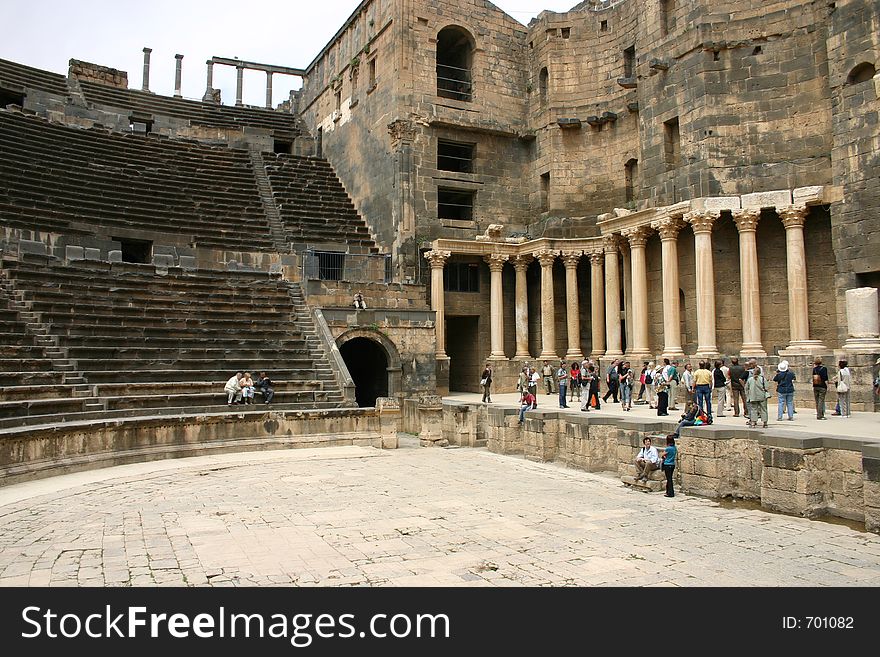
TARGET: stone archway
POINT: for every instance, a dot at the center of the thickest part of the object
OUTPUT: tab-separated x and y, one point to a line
374	364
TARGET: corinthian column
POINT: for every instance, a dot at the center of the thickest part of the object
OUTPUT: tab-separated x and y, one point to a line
638	238
548	308
496	300
669	228
572	304
747	225
597	304
521	265
438	262
793	218
702	223
611	245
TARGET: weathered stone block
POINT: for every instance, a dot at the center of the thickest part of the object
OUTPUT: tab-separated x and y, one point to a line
163	261
32	247
74	252
760	200
716	203
92	254
114	256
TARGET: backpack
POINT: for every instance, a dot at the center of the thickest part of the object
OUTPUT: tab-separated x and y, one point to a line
648	378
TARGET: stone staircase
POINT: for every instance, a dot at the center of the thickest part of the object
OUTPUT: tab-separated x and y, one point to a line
264	186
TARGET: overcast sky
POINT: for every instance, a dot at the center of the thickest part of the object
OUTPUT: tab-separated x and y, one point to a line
47	33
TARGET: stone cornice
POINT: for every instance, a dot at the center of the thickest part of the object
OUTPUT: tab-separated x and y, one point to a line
530	248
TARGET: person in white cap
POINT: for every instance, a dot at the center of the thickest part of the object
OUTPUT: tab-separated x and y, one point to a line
785	390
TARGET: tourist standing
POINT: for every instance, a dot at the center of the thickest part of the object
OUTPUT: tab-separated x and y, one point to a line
843	382
756	396
687	380
642	381
661	387
486	383
522	384
625	380
611	381
534	377
737	391
720	381
703	388
593	395
820	386
668	456
562	382
671	374
574	382
547	373
650	396
784	390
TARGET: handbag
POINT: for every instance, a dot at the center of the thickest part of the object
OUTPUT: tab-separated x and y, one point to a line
842	387
483	381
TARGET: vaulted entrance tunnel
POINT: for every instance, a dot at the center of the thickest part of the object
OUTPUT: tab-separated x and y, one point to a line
367	363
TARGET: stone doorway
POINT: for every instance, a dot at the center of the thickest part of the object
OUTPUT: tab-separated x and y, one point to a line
462	347
367	363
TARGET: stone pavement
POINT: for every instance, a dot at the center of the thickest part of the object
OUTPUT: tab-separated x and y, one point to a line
860	425
356	516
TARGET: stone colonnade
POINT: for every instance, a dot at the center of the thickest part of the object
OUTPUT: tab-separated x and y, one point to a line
632	231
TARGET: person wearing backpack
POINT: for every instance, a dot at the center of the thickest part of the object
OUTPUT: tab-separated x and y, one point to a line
612	378
650	394
756	396
820	386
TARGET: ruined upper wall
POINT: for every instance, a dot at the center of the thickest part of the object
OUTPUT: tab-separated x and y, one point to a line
88	72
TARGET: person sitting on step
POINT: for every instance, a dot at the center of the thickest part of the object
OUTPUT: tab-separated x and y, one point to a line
647	460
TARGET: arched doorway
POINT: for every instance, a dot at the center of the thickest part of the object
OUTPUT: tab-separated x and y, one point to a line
367	363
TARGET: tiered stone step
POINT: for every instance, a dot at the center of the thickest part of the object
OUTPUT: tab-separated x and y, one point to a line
64	179
32	78
313	204
143	341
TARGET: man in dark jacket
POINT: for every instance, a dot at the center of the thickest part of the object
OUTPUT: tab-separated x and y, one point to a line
265	386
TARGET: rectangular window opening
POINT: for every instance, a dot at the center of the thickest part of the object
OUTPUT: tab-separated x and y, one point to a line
330	265
282	146
603	26
455	204
455	156
8	97
135	251
631	174
672	142
372	70
629	62
666	9
545	192
461	277
566	32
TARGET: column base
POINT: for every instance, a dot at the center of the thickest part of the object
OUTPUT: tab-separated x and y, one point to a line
525	356
707	352
862	346
640	356
548	357
574	355
753	350
673	354
612	354
596	355
805	348
498	357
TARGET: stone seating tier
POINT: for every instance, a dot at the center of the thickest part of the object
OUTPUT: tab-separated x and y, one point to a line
56	178
196	112
32	78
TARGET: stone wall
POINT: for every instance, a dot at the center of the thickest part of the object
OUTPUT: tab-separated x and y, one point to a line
30	452
791	472
89	72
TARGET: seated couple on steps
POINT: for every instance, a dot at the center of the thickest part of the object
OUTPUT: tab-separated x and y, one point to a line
241	387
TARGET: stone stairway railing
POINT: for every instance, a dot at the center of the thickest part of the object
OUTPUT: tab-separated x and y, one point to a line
273	215
318	336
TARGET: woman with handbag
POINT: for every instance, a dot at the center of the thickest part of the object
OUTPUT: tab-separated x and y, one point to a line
843	384
486	383
756	396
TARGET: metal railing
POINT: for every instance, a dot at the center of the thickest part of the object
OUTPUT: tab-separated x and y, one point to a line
353	267
454	82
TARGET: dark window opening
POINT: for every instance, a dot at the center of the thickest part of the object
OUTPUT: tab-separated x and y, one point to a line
631	175
330	265
672	142
372	69
355	73
757	50
455	156
545	192
461	277
544	83
566	32
716	55
140	126
338	103
455	53
8	98
455	204
282	146
603	26
666	9
861	73
136	251
629	62
319	143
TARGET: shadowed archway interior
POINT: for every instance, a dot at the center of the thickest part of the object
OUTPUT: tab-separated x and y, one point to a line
367	363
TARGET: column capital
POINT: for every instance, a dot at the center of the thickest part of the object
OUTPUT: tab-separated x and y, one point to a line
546	257
702	221
521	262
637	237
495	261
668	227
437	258
571	258
793	215
611	243
596	257
747	220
